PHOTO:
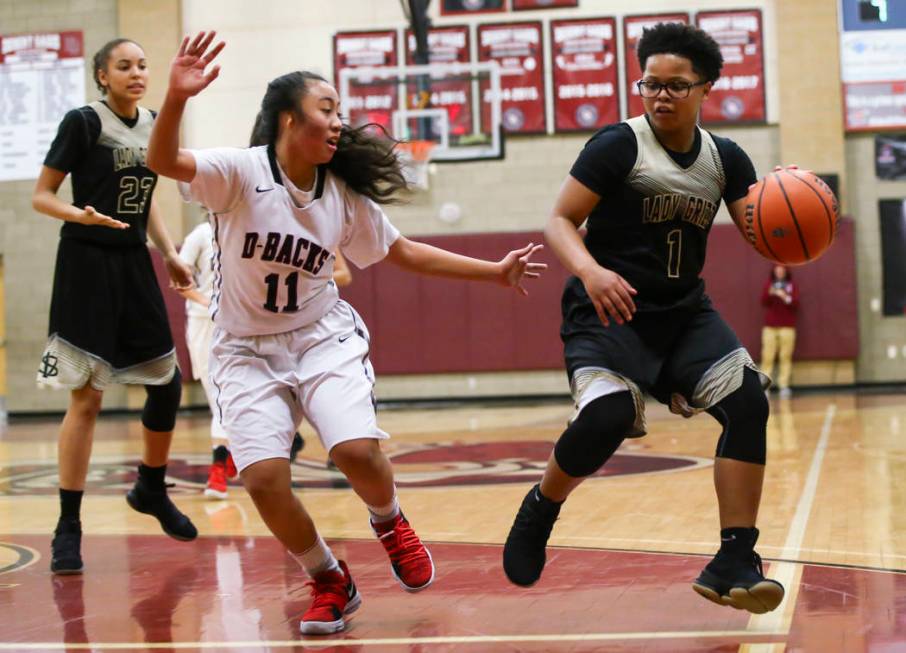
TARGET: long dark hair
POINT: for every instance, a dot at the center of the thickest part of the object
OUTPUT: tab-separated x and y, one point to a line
365	158
102	57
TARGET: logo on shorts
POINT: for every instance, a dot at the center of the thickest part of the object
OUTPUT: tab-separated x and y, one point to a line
49	366
263	190
345	338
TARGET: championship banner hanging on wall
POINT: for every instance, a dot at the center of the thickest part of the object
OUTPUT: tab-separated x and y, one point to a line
738	96
632	32
584	65
517	47
452	7
446	45
373	103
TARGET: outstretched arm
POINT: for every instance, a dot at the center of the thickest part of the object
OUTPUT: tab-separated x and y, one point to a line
45	200
427	259
187	79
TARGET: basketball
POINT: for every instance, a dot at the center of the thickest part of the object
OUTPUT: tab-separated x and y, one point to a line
791	217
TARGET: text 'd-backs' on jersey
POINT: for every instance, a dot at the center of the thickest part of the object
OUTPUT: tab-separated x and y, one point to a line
273	258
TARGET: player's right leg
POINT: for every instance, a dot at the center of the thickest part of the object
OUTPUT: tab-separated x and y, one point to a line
255	377
583	448
74	452
334	593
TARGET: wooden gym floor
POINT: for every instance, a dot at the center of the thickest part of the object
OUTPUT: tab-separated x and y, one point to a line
618	577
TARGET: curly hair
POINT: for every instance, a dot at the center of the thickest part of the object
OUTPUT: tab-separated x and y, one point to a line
102	57
365	158
687	41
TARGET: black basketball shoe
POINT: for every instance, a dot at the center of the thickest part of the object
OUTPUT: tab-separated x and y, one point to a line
735	576
66	547
524	552
157	504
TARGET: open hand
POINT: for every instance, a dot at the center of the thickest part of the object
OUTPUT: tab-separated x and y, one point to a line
180	273
611	295
187	70
516	266
93	218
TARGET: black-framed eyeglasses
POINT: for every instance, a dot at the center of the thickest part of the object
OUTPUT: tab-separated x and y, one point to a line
676	89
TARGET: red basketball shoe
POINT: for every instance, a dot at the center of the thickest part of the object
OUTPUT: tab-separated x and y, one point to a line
217	485
335	596
410	560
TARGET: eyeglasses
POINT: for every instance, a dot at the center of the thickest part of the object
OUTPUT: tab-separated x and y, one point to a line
675	88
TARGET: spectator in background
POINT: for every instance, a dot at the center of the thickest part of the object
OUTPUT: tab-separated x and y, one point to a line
780	299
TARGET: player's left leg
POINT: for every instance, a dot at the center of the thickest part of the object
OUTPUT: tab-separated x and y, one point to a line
337	398
149	495
714	372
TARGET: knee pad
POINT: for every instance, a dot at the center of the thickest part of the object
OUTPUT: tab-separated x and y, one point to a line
744	417
159	413
595	434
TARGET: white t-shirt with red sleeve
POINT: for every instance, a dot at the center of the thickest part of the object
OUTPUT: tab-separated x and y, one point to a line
273	251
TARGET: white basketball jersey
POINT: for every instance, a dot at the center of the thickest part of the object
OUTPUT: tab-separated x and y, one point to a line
273	259
197	251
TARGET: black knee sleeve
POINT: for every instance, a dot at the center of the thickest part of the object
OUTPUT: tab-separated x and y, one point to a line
159	413
744	416
595	434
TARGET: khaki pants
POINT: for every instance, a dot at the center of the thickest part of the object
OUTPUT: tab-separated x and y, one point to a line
774	341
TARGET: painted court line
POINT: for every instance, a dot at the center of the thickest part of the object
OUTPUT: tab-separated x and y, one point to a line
789	573
393	641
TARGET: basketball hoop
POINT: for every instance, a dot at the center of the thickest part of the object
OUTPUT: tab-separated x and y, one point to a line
414	156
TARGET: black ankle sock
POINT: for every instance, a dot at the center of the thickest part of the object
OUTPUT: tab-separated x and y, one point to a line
221	453
70	504
737	540
152	477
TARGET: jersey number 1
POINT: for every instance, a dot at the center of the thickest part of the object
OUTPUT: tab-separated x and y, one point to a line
674	252
292	292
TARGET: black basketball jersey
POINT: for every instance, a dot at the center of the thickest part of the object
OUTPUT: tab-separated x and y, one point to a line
105	156
651	225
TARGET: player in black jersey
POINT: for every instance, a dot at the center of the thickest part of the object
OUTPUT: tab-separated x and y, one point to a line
636	318
108	323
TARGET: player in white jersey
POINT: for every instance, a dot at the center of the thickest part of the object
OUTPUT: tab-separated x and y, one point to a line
198	253
285	345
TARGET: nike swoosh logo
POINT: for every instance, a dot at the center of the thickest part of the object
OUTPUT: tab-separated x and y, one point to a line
263	190
345	338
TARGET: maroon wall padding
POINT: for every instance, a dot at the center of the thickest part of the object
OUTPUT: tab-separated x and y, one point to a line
426	325
828	321
176	313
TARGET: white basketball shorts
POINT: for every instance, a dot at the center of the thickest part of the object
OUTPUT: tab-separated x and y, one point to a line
266	384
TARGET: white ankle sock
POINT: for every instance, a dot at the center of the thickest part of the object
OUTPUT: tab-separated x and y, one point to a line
381	514
317	558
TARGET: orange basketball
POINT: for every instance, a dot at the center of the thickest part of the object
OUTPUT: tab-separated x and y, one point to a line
791	217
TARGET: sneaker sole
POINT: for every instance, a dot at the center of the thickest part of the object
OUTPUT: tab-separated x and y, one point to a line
211	493
166	530
413	590
760	598
330	627
67	572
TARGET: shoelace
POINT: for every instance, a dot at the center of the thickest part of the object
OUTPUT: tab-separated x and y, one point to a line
402	544
757	560
327	593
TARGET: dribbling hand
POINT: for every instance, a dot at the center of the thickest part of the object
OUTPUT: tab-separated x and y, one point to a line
517	266
93	218
611	295
187	70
